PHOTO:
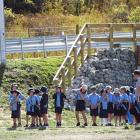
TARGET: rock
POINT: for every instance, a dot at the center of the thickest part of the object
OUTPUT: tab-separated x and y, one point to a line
109	67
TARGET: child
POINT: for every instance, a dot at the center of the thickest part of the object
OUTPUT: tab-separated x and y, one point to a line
28	108
37	107
59	104
116	101
14	87
103	107
134	110
81	104
131	100
15	107
110	106
124	100
33	102
94	100
44	105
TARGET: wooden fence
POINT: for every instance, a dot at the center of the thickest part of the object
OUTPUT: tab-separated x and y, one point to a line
81	49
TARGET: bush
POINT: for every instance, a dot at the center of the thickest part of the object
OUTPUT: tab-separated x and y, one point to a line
9	15
134	15
119	13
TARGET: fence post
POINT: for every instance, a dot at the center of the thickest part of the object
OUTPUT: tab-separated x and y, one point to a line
66	43
2	34
75	61
89	40
22	52
111	36
69	71
45	54
82	49
63	78
77	29
134	38
56	82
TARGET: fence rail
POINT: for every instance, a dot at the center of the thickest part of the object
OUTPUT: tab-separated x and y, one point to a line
127	35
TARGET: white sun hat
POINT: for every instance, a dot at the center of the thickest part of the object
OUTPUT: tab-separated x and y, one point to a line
85	87
127	88
116	90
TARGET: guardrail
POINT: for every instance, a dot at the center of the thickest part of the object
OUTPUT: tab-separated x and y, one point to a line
58	43
84	45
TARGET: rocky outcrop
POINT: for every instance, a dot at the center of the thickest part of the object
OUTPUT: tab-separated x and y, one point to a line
109	67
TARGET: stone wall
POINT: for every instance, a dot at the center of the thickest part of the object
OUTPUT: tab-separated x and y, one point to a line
109	67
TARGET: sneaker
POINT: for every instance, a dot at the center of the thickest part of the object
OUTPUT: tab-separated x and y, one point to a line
85	124
32	126
94	124
126	126
46	125
137	126
26	125
57	124
60	124
78	124
109	124
40	124
19	125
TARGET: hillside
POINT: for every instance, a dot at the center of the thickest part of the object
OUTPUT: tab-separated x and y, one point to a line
28	73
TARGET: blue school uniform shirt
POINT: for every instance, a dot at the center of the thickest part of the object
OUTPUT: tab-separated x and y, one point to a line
28	105
116	99
132	98
38	98
34	102
124	97
104	102
93	99
21	97
13	103
78	96
110	97
58	104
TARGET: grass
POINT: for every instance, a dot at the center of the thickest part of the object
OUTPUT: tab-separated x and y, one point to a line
25	25
67	132
27	73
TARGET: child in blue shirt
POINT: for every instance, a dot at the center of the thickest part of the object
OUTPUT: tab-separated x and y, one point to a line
103	107
94	100
28	108
14	87
59	97
124	100
38	96
110	105
15	107
116	101
33	103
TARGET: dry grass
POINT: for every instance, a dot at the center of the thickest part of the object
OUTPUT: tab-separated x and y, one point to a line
67	132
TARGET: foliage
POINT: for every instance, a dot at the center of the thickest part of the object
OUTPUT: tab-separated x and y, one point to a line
119	13
28	73
134	15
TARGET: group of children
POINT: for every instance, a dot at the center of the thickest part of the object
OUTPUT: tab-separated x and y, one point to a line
120	104
36	106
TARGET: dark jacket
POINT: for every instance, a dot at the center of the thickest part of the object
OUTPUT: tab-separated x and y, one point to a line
44	100
62	97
